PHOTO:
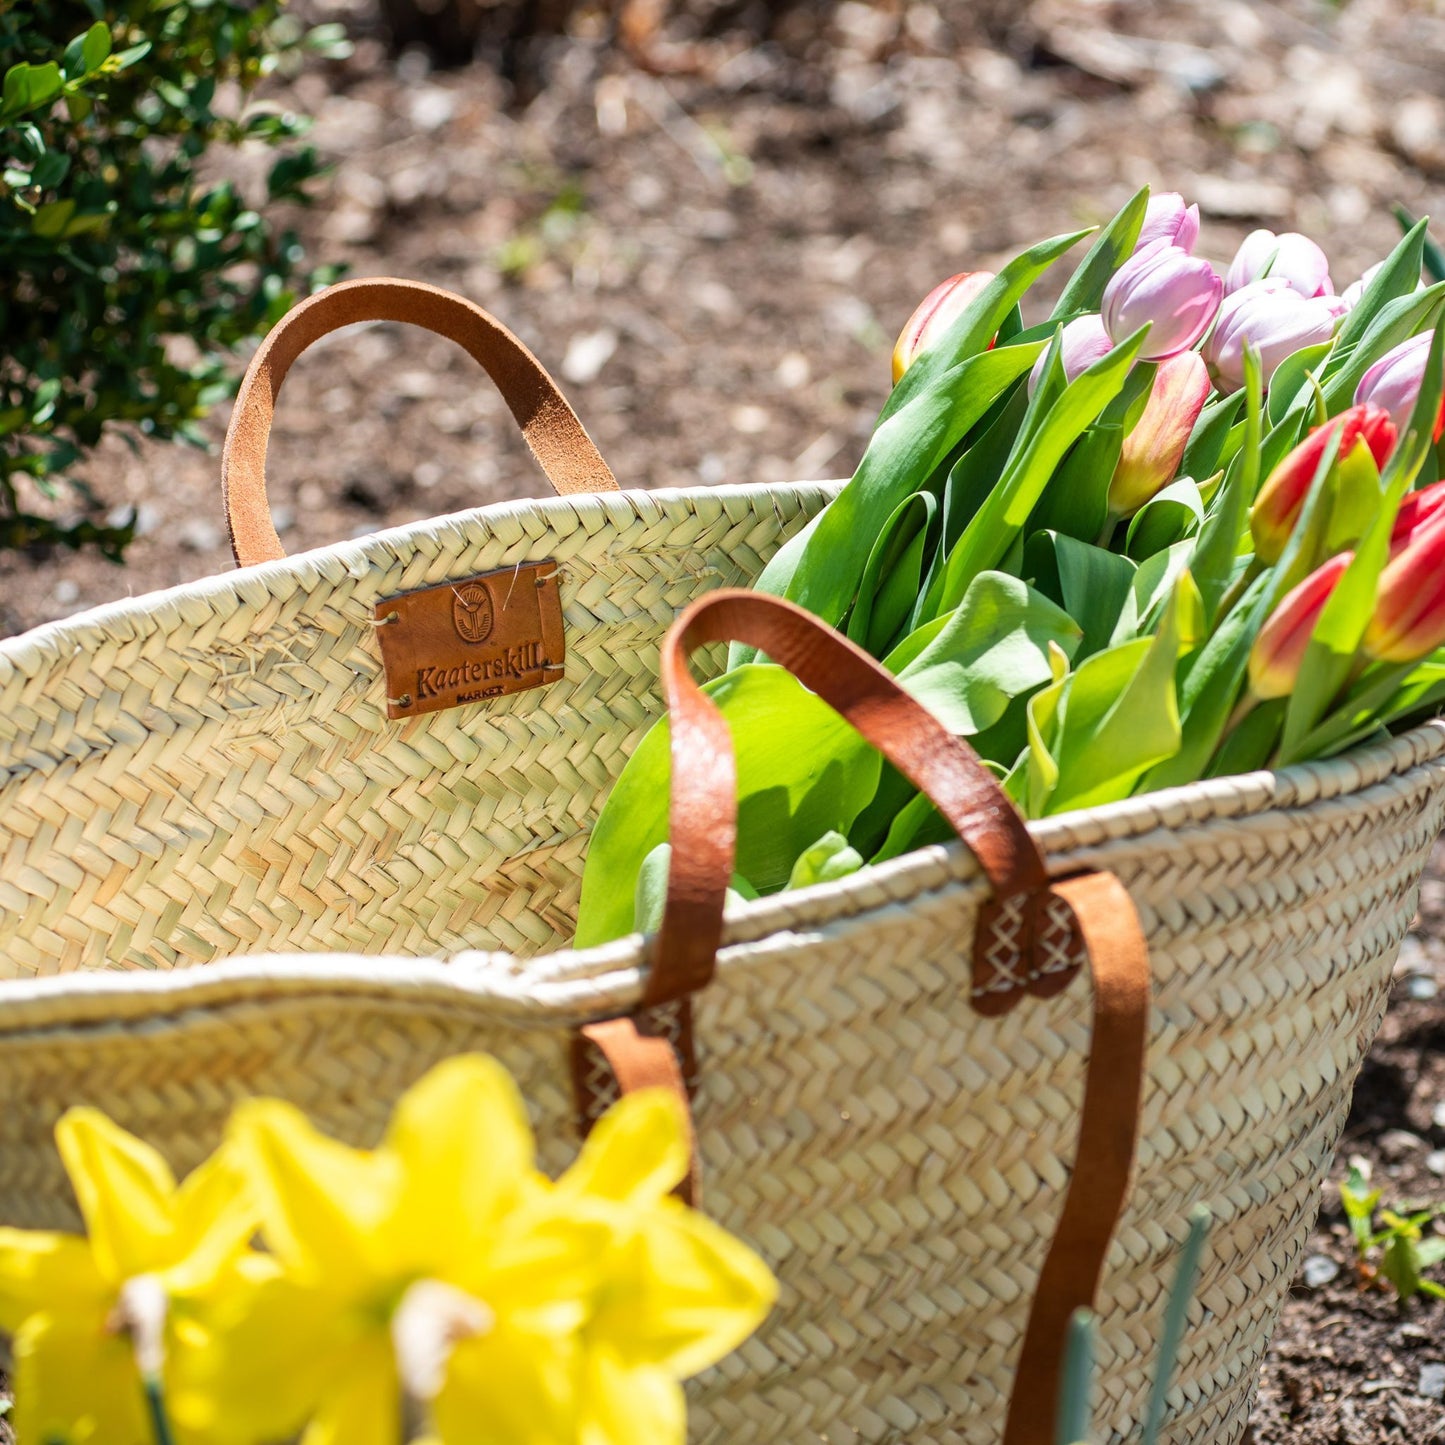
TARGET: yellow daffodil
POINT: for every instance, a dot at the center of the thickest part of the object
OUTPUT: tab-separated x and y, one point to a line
440	1279
93	1318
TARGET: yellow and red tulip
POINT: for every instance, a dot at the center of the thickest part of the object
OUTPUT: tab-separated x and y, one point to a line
1154	449
1277	507
1409	616
1279	649
935	314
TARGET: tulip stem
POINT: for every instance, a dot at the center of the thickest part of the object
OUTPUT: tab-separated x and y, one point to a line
156	1405
1238	588
1247	705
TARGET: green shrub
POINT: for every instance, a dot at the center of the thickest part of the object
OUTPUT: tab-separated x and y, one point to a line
112	246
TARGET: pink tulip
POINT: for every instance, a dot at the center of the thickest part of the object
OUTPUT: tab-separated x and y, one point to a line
1393	382
1085	342
1153	450
1163	285
1291	258
935	314
1350	297
1280	500
1275	320
1279	649
1167	218
1409	617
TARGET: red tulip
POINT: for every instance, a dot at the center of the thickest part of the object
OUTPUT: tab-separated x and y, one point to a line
1409	617
1277	507
936	313
1414	511
1278	651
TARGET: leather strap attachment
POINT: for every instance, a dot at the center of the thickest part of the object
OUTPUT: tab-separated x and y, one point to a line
557	439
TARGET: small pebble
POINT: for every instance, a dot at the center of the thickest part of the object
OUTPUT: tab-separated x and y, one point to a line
1438	1117
1435	1162
1398	1144
1432	1382
1319	1270
1421	986
587	353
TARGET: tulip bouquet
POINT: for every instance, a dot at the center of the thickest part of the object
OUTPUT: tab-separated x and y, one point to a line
1187	524
437	1288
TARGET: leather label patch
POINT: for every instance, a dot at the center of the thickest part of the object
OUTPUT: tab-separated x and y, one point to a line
469	640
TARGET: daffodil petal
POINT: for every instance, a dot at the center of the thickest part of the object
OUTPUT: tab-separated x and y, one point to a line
630	1406
466	1148
76	1382
126	1193
366	1410
510	1387
40	1271
547	1262
323	1205
216	1217
274	1353
685	1293
638	1152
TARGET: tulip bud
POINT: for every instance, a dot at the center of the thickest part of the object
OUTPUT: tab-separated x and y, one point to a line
1393	382
935	314
1278	651
1409	616
1354	292
1167	218
1084	342
1276	321
1279	501
1415	511
1163	285
1153	450
1291	258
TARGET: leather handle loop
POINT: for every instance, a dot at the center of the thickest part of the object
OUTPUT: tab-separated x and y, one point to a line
557	439
1104	1160
703	807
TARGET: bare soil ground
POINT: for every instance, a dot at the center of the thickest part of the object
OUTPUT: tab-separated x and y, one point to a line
715	261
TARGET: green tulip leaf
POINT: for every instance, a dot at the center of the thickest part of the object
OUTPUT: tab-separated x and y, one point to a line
821	568
1113	246
802	772
1041	447
893	574
831	857
1170	516
995	646
1090	583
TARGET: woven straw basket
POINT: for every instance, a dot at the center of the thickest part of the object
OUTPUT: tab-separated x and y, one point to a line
211	772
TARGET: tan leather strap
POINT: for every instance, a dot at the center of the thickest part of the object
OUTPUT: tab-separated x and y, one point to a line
703	809
1104	1161
1090	916
557	439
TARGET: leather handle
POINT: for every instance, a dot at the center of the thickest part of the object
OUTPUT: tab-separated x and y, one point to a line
558	440
703	807
1090	917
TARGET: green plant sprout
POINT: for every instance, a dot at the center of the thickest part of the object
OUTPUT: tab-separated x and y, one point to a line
1406	1251
1075	1421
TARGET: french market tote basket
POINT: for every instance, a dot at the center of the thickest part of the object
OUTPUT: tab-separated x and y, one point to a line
373	768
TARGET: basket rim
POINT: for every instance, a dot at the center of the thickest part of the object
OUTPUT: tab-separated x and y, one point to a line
568	986
378	553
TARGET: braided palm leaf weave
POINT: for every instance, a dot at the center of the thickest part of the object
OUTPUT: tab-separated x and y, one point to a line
209	772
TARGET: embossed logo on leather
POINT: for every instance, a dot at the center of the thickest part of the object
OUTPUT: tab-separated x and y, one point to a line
472	639
472	612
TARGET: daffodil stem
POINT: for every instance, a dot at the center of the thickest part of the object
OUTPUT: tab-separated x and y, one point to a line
156	1404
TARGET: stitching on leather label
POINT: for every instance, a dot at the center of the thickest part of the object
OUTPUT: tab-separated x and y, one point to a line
472	639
